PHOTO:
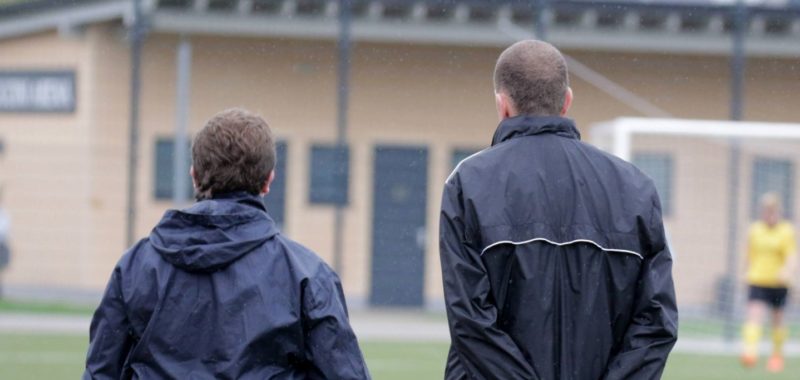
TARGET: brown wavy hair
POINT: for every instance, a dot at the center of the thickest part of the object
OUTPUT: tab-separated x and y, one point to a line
233	152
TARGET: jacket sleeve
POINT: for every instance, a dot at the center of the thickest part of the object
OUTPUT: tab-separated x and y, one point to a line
109	335
654	327
484	351
330	341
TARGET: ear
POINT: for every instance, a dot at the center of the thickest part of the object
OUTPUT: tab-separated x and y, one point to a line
194	178
265	187
503	105
567	101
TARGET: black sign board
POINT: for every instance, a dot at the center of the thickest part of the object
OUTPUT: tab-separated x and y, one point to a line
37	91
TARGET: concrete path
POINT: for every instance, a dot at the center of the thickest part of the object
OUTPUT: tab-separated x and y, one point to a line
28	323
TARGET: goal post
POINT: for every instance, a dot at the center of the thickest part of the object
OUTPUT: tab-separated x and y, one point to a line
710	175
621	131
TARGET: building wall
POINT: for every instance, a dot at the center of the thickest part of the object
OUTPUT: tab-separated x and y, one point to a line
46	176
109	138
66	174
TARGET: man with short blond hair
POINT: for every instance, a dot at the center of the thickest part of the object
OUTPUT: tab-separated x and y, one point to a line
553	253
215	291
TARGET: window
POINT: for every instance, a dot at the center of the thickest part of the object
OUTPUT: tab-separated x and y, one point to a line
459	155
276	199
658	166
329	174
770	175
164	176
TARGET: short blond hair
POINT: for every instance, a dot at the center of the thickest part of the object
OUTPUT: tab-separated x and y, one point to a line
770	200
534	75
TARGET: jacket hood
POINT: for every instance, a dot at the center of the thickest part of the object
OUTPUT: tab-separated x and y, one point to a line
519	126
213	233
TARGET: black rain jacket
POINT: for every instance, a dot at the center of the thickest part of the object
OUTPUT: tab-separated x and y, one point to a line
216	292
555	262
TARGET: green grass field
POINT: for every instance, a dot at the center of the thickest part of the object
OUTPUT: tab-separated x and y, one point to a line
694	328
61	357
7	306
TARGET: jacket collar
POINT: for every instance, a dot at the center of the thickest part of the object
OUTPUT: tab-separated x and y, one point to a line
519	126
213	233
241	197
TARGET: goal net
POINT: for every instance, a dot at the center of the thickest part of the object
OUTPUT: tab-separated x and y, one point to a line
710	176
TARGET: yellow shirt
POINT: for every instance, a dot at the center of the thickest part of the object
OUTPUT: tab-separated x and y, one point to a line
768	251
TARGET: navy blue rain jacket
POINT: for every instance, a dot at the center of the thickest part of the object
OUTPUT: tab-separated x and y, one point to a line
216	292
555	262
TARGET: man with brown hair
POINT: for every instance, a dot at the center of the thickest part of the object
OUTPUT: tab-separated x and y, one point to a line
215	291
553	253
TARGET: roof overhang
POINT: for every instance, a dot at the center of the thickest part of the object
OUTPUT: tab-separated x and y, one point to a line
490	35
64	18
600	26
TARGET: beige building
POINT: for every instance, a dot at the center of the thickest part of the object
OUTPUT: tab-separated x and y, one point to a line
420	97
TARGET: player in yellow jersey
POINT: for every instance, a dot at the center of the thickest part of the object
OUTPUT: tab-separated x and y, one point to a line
771	259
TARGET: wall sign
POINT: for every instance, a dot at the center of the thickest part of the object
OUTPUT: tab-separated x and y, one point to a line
37	91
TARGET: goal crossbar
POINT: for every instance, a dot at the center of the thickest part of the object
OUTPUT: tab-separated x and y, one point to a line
621	131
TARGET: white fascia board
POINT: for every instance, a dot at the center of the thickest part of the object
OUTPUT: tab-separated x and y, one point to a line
315	28
64	18
464	34
242	25
681	42
436	33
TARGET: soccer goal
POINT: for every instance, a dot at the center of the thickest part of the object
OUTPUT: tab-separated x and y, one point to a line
710	176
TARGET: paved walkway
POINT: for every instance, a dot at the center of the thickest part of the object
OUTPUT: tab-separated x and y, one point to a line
368	325
25	323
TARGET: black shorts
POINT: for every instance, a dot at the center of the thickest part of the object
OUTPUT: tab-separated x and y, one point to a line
774	297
